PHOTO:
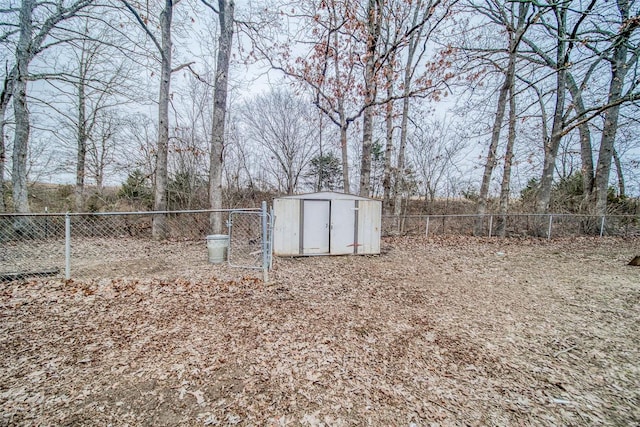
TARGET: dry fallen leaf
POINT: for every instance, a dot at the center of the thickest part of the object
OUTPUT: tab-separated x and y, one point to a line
434	331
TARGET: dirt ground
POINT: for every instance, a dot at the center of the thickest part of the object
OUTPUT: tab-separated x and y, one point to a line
453	331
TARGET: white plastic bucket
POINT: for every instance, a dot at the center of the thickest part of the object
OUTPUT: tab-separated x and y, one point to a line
217	245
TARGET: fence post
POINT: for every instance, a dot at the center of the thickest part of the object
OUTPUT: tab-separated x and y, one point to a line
602	226
426	233
46	223
490	224
271	224
67	246
549	230
265	243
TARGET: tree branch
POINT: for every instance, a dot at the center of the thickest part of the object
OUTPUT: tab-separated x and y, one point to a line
180	67
144	26
210	6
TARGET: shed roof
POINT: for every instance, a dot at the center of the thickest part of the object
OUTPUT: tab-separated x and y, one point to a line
326	195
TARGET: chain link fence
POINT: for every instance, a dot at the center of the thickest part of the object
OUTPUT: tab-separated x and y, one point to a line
245	239
515	225
31	245
106	245
103	245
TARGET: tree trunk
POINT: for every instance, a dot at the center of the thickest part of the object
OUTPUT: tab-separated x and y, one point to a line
5	97
3	110
319	182
291	179
367	142
344	149
481	207
402	149
344	152
370	93
501	226
386	180
621	186
515	37
409	70
100	166
618	73
159	229
20	147
226	18
551	150
21	112
553	144
604	159
586	149
82	142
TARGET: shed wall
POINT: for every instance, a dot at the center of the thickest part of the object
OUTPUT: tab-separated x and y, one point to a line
354	226
369	225
286	230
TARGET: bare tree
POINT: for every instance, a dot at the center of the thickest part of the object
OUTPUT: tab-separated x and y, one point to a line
434	149
432	16
31	41
102	145
189	145
225	12
329	68
164	48
94	80
285	129
388	150
622	58
95	124
617	47
373	25
141	133
9	32
413	31
564	44
505	187
241	161
338	54
560	60
515	18
625	157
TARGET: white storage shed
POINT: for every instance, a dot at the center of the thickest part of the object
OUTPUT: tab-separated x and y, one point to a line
326	223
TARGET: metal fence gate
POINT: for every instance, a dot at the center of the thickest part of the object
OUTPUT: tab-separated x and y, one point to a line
250	239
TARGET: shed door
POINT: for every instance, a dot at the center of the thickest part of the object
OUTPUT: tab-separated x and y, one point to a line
315	228
343	219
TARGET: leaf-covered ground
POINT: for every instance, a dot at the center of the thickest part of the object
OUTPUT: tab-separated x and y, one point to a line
455	331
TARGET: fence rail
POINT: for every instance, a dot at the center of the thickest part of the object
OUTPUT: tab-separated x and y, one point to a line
514	225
